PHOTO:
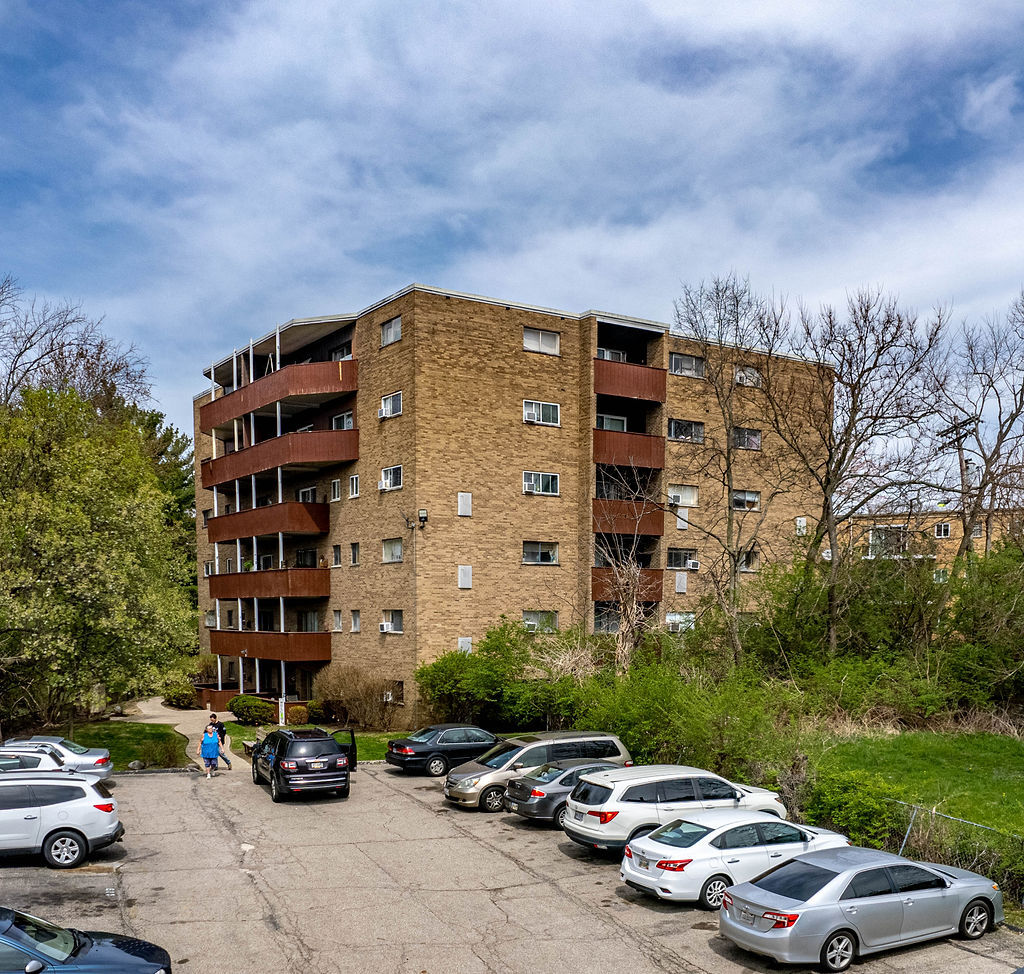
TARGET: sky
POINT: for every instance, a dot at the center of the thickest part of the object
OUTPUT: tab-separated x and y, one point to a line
197	172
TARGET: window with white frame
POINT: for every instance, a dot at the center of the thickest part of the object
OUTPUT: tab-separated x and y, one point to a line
942	530
208	567
335	490
681	558
211	619
606	617
353	553
540	620
343	421
391	331
801	526
976	530
391	550
542	413
336	552
617	424
306	495
539	340
680	621
750	560
744	438
465	503
338	624
612	354
940	576
746	500
540	552
887	540
691	365
535	482
465	576
392	618
353	485
391	478
390	405
747	375
229	565
682	495
342	353
354	616
685	431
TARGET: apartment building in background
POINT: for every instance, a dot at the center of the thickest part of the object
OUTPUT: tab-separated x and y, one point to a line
379	488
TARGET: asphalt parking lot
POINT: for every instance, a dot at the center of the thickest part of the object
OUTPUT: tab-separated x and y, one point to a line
391	880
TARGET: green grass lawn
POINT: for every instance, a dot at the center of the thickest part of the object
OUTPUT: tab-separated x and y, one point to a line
979	777
369	746
157	745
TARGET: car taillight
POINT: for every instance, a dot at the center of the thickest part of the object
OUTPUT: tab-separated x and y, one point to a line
628	852
289	765
342	761
102	761
536	794
105	807
781	920
404	750
603	817
674	865
726	901
628	764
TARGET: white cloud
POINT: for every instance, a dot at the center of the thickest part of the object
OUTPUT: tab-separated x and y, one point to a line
988	108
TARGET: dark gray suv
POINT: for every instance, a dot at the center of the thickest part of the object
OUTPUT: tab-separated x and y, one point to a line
294	761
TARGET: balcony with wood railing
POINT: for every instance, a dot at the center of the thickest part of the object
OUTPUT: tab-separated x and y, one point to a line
316	448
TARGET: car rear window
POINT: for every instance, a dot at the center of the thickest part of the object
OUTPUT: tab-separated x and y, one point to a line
73	747
420	736
588	793
795	880
605	748
104	791
680	834
308	749
56	794
545	773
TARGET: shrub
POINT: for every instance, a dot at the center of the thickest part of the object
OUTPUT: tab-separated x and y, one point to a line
298	715
162	753
855	803
179	692
364	697
251	710
316	712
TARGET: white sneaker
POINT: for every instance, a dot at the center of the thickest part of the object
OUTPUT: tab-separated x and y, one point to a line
207	774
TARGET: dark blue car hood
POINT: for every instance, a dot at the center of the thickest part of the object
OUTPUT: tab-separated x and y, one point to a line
114	953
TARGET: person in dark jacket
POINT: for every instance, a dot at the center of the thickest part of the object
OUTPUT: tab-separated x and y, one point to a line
222	732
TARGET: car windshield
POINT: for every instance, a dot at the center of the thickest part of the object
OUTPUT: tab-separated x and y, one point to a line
73	747
422	735
545	773
29	931
499	755
680	834
306	749
795	880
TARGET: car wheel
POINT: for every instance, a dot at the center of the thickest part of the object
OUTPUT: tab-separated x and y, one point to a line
255	773
276	794
643	830
838	951
713	892
493	800
343	792
975	920
64	850
437	766
559	818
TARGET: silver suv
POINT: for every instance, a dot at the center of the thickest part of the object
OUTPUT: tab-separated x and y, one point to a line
481	783
65	818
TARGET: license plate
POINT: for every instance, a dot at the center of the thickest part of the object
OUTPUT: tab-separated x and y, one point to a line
578	816
513	806
746	916
642	862
317	765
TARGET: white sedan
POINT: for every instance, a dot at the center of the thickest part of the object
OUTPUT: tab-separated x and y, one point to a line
698	858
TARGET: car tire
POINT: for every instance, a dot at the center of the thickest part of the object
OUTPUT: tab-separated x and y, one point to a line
437	766
643	830
838	952
255	773
713	892
975	920
276	794
492	800
559	817
65	849
343	792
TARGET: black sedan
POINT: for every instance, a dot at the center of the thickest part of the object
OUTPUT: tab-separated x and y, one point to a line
541	794
30	944
439	747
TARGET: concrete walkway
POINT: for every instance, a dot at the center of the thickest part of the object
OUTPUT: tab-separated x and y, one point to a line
190	723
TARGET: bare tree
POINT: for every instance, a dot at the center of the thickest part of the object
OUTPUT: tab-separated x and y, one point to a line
56	346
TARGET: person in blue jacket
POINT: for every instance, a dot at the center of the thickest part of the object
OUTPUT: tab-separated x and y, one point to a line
209	748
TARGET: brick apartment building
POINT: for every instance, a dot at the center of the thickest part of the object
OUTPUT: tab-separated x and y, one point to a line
379	488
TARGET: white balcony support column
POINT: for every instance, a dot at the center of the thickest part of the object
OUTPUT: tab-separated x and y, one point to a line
255	555
239	615
234	368
238	495
220	670
256	663
255	615
216	497
281	607
238	556
241	674
216	608
254	491
252	365
284	691
280	549
234	428
280	486
216	558
213	384
277	348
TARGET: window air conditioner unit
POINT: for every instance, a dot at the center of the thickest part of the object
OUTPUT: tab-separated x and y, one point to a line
530	418
675	627
693	566
529	489
381	485
381	413
530	626
385	627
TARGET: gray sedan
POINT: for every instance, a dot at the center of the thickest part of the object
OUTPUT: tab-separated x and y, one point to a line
831	906
541	793
85	760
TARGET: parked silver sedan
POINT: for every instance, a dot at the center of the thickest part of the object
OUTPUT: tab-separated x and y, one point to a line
85	760
832	906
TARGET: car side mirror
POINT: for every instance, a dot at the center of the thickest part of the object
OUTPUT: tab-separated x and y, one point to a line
737	795
518	766
33	967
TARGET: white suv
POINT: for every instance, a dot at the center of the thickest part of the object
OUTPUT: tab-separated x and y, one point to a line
65	818
608	808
